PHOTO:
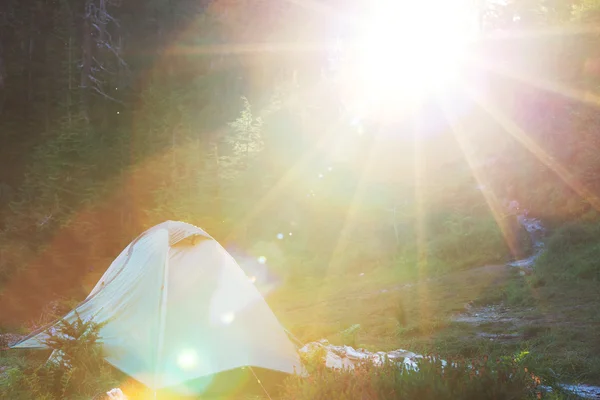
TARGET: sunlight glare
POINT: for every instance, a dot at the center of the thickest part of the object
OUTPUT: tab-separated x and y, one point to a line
409	49
188	359
227	318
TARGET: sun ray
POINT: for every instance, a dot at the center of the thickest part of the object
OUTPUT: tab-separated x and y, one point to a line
347	229
490	197
324	9
251	48
492	201
421	232
526	141
584	96
562	31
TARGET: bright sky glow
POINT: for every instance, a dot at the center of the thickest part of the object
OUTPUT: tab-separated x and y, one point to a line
408	50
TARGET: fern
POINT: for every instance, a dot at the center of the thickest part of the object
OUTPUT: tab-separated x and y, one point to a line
77	368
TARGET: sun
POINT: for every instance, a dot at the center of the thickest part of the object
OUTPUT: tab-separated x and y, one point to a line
407	51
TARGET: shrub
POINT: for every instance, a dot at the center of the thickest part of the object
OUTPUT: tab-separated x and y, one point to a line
348	336
431	380
572	253
76	370
453	245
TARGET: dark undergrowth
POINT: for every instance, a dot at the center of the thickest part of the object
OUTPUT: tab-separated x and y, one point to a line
79	371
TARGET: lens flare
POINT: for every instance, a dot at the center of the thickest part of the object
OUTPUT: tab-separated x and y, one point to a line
187	359
227	318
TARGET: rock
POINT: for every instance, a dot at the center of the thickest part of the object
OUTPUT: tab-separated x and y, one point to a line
116	394
499	336
582	391
345	357
585	391
334	361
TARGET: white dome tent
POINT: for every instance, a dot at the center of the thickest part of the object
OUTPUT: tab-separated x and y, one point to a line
180	310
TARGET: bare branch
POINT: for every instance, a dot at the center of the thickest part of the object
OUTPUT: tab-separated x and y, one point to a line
101	67
110	18
116	53
105	95
95	80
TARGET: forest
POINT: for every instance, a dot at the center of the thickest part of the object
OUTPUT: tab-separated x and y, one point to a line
246	119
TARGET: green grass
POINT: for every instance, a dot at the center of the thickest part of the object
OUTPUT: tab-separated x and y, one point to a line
550	317
559	305
556	310
459	379
573	254
388	303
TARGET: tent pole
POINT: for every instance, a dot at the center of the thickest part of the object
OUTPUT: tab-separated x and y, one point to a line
260	383
300	344
162	317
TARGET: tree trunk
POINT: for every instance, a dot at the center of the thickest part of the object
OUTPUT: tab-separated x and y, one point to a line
217	200
30	64
2	79
86	58
70	83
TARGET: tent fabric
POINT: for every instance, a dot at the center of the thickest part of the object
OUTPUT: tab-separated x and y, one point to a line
179	308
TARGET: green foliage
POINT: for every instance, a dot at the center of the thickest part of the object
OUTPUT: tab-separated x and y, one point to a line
241	172
76	369
76	342
587	11
572	253
183	146
401	316
246	138
313	361
465	233
63	176
349	335
518	293
459	379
